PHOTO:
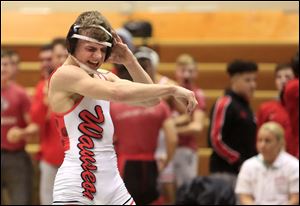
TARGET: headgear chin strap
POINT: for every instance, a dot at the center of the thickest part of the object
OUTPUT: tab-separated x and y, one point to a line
85	67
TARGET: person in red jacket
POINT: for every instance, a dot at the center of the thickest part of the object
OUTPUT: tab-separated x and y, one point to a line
273	110
291	103
16	165
51	148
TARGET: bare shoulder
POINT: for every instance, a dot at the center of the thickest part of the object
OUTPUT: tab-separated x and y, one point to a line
67	73
66	77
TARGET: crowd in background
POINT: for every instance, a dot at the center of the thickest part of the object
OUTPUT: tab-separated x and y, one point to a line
254	156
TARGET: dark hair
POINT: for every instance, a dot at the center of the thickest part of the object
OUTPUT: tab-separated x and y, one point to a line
46	47
295	64
280	67
59	41
241	66
4	53
122	72
12	52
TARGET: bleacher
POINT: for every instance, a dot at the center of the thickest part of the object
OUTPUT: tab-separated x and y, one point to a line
212	59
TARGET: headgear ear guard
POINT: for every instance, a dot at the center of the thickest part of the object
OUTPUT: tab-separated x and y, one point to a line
109	49
71	41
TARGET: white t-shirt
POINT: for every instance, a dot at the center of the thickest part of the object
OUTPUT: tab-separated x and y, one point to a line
269	185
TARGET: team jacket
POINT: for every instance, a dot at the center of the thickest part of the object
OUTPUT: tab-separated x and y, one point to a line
231	133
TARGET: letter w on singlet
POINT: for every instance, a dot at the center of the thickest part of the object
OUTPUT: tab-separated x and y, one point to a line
90	128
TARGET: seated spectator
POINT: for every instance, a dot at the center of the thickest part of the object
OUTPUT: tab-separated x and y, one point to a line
207	190
271	177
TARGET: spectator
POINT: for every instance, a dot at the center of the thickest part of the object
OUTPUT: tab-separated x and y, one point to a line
291	103
271	177
45	57
149	60
232	128
16	165
184	166
15	60
60	52
144	54
126	38
283	73
136	146
273	110
51	148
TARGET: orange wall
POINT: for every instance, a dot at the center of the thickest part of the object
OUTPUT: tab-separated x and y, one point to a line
225	25
37	28
232	26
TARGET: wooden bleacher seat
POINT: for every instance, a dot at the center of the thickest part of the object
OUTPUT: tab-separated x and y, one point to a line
203	161
30	74
203	51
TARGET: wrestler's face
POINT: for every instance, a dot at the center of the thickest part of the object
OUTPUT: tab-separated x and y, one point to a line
90	54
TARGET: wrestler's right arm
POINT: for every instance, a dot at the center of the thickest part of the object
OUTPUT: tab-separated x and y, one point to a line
71	79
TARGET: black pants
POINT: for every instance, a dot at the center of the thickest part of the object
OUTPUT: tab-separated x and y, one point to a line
140	178
17	177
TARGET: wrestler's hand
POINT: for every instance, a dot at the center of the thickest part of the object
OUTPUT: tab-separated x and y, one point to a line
187	97
120	54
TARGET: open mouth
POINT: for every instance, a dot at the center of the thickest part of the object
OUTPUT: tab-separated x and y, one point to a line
93	64
186	81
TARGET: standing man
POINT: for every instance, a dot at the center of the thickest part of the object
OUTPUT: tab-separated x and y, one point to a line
232	128
16	165
51	148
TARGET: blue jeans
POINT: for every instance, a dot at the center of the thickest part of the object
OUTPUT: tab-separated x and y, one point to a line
17	177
